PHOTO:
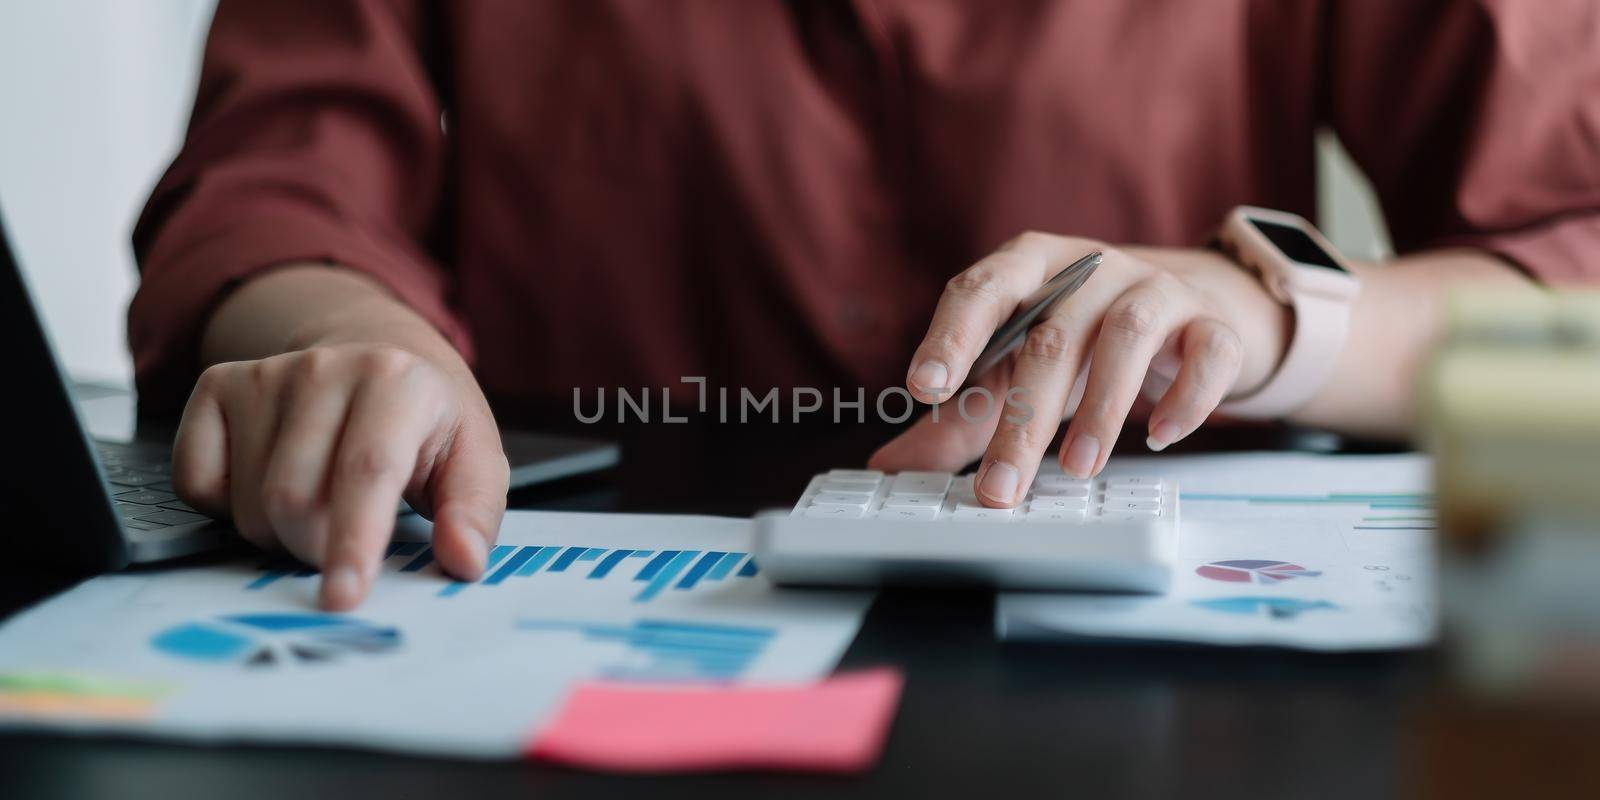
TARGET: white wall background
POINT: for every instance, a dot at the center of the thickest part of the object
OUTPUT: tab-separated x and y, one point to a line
94	96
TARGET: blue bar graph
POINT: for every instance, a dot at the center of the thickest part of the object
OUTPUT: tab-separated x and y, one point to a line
724	566
674	650
512	564
542	556
609	563
269	576
700	569
422	560
565	559
680	570
665	575
496	555
656	564
282	566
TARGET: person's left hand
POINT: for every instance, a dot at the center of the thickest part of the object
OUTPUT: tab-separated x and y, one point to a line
1188	326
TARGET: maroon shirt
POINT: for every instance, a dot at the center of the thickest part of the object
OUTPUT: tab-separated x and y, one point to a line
623	192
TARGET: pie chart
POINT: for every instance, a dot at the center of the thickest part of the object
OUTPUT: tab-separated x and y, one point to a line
1257	571
274	640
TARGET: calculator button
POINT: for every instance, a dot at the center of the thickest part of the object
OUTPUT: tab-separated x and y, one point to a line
920	483
1060	482
1131	493
849	487
968	502
1132	505
1061	491
1133	481
859	475
914	513
853	500
983	514
834	512
913	501
1077	504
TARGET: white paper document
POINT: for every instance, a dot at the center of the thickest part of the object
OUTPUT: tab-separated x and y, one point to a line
238	651
1314	552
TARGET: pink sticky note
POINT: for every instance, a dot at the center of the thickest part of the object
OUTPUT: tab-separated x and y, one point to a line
836	725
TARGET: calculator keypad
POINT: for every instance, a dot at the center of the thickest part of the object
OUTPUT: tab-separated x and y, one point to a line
930	496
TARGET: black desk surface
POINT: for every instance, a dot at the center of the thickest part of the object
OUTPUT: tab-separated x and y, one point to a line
977	716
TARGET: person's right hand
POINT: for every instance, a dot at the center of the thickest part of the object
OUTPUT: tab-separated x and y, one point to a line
312	450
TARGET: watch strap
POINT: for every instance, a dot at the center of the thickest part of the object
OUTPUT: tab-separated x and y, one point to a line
1320	326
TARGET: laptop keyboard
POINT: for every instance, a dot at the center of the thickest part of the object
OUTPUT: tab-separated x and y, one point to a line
140	480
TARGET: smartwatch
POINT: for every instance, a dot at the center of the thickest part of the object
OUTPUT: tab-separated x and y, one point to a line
1301	269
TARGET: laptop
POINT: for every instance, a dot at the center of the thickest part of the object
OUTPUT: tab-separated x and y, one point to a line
79	504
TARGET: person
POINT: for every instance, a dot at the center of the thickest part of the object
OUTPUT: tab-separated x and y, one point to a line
384	210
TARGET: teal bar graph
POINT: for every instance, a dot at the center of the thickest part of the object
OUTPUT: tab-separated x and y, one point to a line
681	570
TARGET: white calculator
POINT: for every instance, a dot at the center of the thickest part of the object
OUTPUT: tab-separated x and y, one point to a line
857	527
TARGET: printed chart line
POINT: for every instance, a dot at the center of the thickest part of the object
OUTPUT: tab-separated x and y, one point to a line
1402	501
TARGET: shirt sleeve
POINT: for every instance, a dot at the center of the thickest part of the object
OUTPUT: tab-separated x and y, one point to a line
1478	122
316	136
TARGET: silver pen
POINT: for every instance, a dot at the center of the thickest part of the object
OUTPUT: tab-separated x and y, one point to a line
1034	307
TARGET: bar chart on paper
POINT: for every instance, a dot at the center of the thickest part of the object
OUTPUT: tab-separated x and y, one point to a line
1373	511
667	650
655	571
1376	501
1299	550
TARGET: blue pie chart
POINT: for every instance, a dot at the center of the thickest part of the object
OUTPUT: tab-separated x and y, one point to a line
274	640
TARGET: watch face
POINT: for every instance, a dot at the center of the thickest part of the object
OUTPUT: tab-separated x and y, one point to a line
1296	244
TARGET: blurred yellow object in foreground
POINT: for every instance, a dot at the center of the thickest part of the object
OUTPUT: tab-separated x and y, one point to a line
1512	411
1512	416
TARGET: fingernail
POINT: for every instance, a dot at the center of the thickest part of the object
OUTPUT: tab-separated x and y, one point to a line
999	482
341	587
931	376
1164	433
1082	455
